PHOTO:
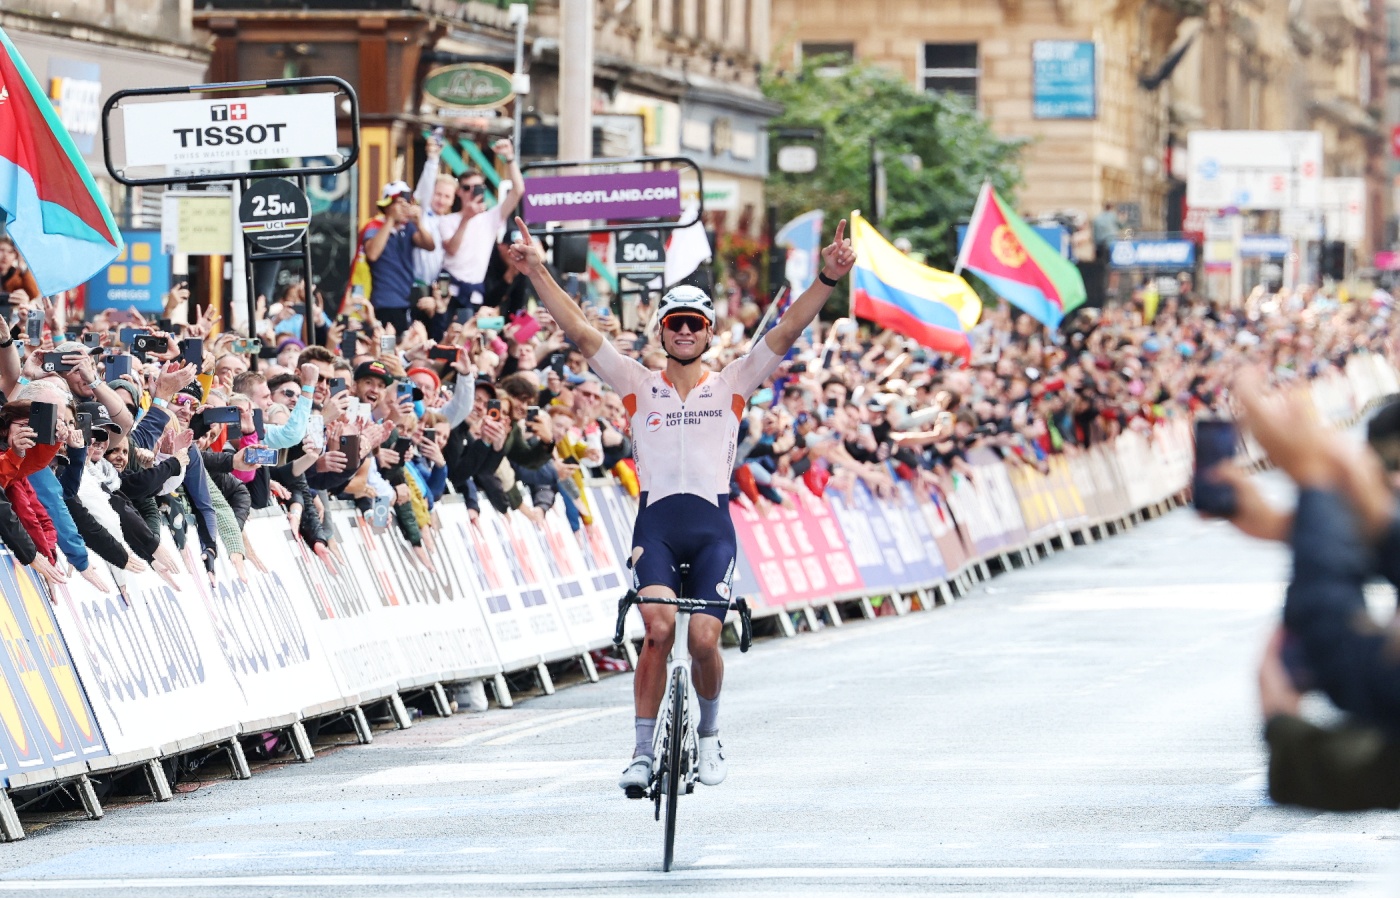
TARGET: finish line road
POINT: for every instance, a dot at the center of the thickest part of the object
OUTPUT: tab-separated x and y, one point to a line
1084	726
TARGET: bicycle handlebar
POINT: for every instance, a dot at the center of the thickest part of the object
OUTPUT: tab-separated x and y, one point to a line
689	605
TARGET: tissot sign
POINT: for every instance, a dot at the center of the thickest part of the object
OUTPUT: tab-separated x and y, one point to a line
202	131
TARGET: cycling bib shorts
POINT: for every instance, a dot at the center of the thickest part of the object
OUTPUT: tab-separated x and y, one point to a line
683	528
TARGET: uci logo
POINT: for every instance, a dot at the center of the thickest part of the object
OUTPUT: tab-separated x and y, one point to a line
654	422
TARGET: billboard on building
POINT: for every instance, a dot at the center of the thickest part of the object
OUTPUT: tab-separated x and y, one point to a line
1254	170
1064	80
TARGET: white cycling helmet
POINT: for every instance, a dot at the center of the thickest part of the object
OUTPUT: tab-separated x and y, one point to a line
686	298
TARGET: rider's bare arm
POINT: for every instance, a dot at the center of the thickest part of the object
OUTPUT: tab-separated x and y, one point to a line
837	260
530	257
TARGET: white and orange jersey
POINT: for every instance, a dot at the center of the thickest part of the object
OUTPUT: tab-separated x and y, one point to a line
685	447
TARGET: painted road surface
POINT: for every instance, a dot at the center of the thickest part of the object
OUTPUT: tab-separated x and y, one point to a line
1087	725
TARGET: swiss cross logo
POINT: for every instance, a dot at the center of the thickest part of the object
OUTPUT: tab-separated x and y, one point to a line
238	111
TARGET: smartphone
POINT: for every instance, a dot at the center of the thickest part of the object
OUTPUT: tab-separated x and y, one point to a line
446	354
43	418
350	344
92	340
164	325
222	415
117	366
247	345
85	425
387	343
150	343
532	413
430	434
490	323
192	351
261	456
338	386
445	285
526	326
1216	441
463	315
493	409
406	390
34	330
401	447
53	362
478	190
258	422
350	446
127	335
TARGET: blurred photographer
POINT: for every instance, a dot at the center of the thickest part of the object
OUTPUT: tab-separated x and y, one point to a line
1343	532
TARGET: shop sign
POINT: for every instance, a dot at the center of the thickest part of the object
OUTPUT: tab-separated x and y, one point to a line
469	86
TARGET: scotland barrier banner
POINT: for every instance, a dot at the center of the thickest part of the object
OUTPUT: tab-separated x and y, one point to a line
45	719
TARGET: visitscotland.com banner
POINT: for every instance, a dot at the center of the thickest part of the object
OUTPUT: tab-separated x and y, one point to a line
628	195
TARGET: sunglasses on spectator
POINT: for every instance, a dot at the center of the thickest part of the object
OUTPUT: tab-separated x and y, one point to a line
677	321
291	393
183	400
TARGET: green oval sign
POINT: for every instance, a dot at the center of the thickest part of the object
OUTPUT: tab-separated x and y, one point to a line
469	86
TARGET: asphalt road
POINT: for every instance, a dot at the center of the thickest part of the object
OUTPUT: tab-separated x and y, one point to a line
1084	726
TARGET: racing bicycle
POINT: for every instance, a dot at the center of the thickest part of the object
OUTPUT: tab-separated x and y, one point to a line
676	743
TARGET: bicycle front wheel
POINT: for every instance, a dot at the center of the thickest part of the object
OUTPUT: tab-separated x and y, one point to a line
674	756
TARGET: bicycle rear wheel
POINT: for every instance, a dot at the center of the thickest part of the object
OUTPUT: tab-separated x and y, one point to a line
674	775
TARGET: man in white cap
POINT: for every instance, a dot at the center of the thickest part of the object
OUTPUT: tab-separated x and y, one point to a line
389	251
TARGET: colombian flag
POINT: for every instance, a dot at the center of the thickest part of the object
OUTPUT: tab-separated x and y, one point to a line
934	308
1017	263
48	200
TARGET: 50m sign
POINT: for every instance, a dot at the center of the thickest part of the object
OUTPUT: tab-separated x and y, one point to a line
182	132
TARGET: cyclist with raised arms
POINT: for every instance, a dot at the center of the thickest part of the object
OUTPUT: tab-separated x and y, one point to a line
685	424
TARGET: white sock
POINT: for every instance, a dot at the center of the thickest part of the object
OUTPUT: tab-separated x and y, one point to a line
645	729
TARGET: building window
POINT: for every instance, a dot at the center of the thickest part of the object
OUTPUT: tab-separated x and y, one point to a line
838	56
952	68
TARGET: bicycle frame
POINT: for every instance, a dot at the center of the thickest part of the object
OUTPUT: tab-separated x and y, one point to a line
680	662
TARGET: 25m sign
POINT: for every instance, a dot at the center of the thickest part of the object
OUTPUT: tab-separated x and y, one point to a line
181	132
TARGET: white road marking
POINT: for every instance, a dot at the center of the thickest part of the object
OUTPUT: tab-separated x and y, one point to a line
447	773
557	723
950	873
523	722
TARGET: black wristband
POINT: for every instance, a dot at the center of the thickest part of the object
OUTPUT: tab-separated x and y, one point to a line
821	276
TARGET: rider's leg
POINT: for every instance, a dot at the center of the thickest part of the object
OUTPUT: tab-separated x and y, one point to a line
708	667
649	685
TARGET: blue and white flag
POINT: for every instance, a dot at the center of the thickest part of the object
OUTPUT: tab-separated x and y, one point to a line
803	239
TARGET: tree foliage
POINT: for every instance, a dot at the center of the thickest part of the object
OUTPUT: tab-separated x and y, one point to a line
955	146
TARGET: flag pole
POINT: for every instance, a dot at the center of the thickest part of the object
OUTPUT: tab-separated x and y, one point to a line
851	291
767	314
973	224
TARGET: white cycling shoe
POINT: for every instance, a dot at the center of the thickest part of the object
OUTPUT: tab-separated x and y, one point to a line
636	778
713	768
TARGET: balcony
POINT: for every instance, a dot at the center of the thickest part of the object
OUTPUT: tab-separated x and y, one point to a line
163	19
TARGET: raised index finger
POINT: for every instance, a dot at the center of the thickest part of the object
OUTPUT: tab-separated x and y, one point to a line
524	231
840	230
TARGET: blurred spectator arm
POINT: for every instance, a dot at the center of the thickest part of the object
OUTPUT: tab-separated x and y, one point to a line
96	536
291	432
50	494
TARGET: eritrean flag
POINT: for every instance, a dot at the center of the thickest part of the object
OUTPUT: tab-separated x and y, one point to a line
935	308
1017	263
48	200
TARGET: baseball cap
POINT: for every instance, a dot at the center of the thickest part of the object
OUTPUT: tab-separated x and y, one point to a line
374	369
395	189
100	419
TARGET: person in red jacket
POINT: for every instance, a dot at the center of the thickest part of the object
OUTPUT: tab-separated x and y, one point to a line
22	457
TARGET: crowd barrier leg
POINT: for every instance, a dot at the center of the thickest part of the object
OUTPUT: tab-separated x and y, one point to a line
301	743
545	680
590	670
91	805
834	614
502	689
630	652
982	570
943	594
238	761
156	780
785	623
866	609
441	706
399	712
363	733
814	621
10	828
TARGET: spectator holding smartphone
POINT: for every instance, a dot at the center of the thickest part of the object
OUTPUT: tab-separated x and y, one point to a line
389	247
